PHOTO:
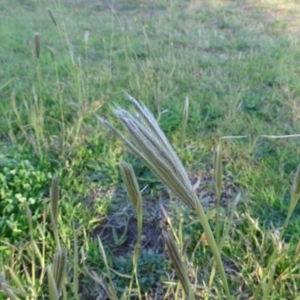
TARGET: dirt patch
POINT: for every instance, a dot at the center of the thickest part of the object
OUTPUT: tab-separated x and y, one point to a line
119	230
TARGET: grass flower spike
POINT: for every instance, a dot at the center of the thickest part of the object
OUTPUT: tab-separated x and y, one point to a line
178	264
37	45
54	207
135	196
59	268
152	147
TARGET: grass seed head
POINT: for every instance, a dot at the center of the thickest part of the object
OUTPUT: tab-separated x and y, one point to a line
59	268
177	263
151	145
37	45
50	13
54	199
218	167
131	183
53	293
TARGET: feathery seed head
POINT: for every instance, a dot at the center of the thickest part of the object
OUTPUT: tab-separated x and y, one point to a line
152	146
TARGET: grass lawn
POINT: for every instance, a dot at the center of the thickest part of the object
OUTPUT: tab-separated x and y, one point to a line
67	63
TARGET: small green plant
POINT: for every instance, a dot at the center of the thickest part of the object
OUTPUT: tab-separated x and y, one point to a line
20	183
36	259
151	269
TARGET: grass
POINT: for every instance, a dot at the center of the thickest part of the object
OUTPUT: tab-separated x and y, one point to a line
237	63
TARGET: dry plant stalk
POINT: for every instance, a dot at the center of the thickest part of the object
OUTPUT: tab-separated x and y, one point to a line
151	145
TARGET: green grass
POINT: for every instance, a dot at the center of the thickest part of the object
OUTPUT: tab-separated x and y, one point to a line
237	62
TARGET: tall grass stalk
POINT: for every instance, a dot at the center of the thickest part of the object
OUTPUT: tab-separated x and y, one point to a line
135	196
185	117
54	208
75	283
108	286
35	252
29	220
170	224
218	182
151	145
18	116
227	227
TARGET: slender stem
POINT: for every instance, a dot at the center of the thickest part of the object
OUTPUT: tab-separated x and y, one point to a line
212	244
217	221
